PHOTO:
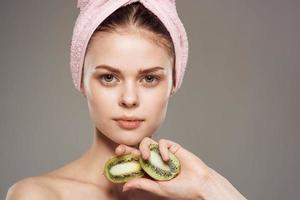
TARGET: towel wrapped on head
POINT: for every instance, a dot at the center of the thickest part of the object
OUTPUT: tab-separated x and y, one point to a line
93	12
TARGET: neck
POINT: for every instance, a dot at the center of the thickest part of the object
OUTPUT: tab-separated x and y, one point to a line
102	146
89	168
95	158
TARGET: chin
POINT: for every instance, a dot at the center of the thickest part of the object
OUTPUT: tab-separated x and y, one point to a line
130	141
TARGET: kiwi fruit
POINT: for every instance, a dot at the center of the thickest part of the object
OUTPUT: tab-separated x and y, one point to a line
159	169
123	168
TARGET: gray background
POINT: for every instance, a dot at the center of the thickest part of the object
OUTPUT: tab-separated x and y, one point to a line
237	109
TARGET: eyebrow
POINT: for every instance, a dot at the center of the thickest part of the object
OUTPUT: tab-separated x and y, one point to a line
141	71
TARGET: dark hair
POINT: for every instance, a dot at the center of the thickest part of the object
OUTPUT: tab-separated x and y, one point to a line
136	15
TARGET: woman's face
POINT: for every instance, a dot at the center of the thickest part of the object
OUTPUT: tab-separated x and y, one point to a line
127	75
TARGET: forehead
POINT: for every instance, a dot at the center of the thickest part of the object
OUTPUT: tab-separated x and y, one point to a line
126	50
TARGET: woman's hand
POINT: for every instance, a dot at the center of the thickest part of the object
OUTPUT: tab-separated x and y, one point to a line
195	180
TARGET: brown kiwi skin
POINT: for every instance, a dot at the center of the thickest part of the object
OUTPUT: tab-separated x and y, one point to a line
173	162
126	178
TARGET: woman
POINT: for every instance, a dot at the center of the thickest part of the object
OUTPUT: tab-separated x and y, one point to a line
131	67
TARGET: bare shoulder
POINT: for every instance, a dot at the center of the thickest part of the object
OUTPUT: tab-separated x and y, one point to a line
31	188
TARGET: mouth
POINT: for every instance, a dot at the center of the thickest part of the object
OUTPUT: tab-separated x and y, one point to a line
126	123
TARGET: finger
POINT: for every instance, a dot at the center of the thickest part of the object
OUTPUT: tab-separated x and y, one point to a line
164	146
144	184
184	154
170	145
174	148
144	147
123	149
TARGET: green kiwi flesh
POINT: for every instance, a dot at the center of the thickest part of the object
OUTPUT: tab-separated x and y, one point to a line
123	168
159	169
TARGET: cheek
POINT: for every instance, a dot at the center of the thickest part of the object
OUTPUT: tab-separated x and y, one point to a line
102	103
155	102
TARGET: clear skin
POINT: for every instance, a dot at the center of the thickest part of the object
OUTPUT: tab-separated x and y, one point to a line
140	95
111	95
132	96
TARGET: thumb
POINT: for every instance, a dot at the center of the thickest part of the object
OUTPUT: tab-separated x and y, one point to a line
190	162
143	184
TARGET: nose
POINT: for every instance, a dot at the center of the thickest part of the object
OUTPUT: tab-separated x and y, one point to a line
129	96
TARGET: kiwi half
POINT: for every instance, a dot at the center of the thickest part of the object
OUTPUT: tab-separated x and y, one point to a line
159	169
123	168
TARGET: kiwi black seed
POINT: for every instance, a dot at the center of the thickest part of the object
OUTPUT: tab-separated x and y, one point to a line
123	168
159	169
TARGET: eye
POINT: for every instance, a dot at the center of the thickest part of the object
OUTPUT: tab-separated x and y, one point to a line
152	79
107	78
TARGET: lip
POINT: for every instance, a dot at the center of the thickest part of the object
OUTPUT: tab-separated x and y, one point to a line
129	122
129	118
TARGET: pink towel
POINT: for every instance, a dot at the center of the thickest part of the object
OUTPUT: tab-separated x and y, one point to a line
93	12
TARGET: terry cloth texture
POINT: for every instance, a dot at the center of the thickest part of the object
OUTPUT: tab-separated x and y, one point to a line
93	12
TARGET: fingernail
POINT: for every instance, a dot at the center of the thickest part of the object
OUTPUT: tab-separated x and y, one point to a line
165	158
168	156
145	157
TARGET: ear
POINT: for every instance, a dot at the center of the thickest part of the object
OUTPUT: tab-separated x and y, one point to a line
82	86
82	91
172	92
